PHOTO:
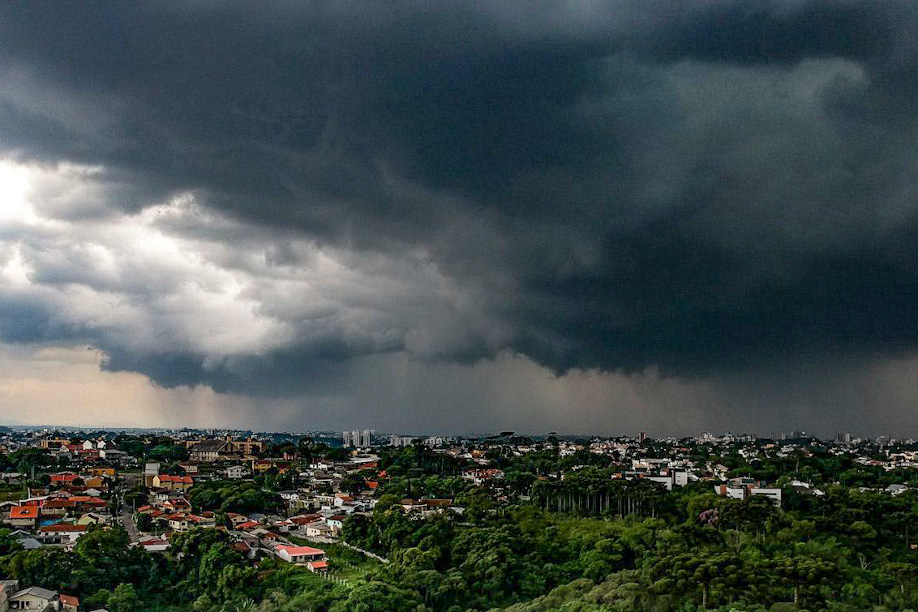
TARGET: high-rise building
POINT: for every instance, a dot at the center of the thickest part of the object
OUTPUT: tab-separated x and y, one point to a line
346	438
395	440
365	438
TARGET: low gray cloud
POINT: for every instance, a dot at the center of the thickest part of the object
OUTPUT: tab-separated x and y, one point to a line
253	199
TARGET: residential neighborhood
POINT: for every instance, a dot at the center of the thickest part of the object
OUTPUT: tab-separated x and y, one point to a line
310	503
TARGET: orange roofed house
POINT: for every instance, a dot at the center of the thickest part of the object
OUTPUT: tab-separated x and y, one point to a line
301	555
173	483
23	516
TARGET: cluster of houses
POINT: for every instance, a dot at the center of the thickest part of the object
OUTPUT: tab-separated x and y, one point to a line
324	524
259	537
74	500
61	513
313	512
318	502
677	469
88	451
255	536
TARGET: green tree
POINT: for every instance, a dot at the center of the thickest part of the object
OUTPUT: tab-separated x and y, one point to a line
145	522
803	571
123	599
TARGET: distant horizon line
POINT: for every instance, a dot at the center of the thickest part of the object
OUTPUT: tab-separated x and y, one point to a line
104	428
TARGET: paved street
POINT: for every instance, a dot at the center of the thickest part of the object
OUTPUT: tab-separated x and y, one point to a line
130	527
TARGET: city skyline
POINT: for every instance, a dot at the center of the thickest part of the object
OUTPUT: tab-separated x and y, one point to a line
407	437
569	217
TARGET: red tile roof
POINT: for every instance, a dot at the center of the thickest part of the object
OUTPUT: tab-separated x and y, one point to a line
62	528
59	503
24	512
69	600
153	543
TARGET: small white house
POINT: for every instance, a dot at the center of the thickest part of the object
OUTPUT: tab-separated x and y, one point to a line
299	554
335	522
178	522
33	598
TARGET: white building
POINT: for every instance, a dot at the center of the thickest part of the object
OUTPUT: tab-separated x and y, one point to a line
400	440
772	494
154	544
235	472
666	481
299	554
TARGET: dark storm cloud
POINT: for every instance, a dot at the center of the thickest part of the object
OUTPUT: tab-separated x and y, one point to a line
765	32
691	187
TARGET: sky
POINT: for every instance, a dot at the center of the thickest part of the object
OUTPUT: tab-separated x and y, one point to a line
456	217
